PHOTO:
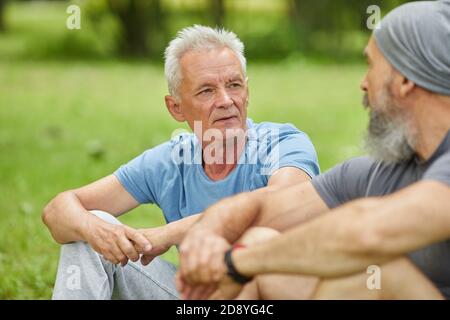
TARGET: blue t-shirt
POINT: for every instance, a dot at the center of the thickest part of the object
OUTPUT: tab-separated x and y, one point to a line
171	175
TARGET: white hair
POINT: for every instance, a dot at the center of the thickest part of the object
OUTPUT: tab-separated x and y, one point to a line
197	38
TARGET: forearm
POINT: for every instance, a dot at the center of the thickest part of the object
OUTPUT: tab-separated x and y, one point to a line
287	207
175	231
229	218
356	235
279	208
337	244
67	219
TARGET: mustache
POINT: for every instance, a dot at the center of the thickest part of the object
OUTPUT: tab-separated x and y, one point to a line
365	101
224	116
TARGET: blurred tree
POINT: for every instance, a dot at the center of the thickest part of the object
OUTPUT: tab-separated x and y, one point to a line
142	25
217	8
2	15
335	19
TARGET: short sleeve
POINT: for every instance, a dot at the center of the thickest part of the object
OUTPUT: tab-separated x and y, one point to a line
439	170
345	182
290	147
141	175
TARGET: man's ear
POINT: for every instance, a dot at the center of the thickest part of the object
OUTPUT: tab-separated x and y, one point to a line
174	108
406	87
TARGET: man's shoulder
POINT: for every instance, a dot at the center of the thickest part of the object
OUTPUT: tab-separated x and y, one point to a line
180	139
361	161
184	138
355	167
265	129
266	125
169	151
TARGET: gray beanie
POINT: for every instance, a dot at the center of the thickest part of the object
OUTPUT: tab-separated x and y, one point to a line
415	39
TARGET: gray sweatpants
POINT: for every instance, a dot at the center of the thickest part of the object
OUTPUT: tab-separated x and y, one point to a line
85	274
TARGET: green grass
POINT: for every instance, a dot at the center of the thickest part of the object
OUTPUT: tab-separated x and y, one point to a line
52	112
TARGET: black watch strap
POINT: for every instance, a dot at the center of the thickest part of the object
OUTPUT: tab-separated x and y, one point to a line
231	270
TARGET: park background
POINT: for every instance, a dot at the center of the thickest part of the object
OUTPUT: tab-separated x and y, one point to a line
76	104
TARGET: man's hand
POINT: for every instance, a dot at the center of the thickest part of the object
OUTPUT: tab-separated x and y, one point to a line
116	243
160	240
227	289
193	292
202	257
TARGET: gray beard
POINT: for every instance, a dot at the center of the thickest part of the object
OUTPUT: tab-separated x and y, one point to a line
388	138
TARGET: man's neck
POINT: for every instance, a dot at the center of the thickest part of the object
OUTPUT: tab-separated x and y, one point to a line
228	158
432	126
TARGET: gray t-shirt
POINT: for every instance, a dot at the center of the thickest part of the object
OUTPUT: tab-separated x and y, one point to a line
366	177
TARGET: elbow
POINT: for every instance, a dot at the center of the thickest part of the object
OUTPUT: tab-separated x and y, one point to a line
366	235
49	211
49	214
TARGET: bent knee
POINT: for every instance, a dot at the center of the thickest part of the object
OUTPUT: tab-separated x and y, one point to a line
256	235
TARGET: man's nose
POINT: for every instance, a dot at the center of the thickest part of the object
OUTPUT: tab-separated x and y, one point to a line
223	99
363	84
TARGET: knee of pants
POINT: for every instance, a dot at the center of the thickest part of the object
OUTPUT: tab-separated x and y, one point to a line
105	216
256	235
81	248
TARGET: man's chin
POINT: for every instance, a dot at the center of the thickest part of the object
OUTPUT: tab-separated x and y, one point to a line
389	138
390	148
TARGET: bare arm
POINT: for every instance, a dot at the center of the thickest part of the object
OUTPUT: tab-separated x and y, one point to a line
171	234
67	215
226	221
356	235
174	232
68	218
288	200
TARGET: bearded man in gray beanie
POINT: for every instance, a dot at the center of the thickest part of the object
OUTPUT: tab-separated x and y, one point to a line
374	227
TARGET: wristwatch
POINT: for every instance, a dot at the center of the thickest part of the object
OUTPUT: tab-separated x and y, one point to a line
231	269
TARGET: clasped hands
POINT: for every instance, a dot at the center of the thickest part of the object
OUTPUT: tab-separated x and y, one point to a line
203	273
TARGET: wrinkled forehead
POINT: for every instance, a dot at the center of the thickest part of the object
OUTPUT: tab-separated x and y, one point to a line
197	65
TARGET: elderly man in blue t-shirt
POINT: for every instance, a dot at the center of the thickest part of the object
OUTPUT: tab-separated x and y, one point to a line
227	154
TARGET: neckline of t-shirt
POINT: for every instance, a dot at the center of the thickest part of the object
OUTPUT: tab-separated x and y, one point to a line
240	161
233	172
441	149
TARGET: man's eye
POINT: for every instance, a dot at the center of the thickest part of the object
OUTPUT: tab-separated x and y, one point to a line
235	85
206	91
